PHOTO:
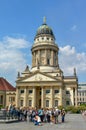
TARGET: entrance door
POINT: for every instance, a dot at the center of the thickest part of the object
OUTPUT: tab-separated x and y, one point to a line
39	103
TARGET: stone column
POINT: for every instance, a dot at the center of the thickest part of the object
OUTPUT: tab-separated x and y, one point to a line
45	57
52	58
51	104
56	59
60	96
39	56
34	97
17	97
42	97
25	97
33	60
75	96
4	100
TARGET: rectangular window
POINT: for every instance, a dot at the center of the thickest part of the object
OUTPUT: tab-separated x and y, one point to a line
22	91
30	103
47	91
67	102
67	92
30	91
82	93
11	99
47	103
56	103
56	91
21	102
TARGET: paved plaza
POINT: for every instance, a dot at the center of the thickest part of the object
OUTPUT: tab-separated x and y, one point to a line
72	122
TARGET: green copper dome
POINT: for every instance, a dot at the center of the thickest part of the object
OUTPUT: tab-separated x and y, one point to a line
44	29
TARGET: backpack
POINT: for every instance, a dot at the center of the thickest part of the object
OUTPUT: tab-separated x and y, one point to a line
56	113
33	113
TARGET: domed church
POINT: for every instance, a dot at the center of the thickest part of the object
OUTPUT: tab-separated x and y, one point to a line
45	85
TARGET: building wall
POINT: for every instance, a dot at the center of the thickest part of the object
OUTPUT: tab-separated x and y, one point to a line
81	97
44	96
10	97
46	79
7	97
2	98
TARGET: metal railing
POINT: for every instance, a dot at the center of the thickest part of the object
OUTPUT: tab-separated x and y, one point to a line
7	115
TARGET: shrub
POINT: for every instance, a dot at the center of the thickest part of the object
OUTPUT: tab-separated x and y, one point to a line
74	109
1	106
60	107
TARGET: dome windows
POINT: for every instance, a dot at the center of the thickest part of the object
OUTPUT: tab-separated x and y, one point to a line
42	38
44	29
38	39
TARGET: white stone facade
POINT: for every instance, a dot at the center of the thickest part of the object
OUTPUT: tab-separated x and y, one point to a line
45	85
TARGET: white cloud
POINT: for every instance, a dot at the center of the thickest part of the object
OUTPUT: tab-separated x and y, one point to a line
15	42
13	56
67	50
69	59
73	28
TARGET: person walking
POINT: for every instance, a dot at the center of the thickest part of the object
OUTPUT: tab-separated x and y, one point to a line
63	115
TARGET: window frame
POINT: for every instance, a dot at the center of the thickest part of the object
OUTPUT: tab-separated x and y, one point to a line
56	103
21	102
56	90
47	91
30	103
67	92
22	91
47	103
30	91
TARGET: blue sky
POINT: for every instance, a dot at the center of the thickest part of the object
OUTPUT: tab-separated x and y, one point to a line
19	20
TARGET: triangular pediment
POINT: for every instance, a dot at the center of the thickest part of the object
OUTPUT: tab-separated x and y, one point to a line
38	77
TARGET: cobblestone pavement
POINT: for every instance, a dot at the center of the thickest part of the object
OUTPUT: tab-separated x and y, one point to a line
72	122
